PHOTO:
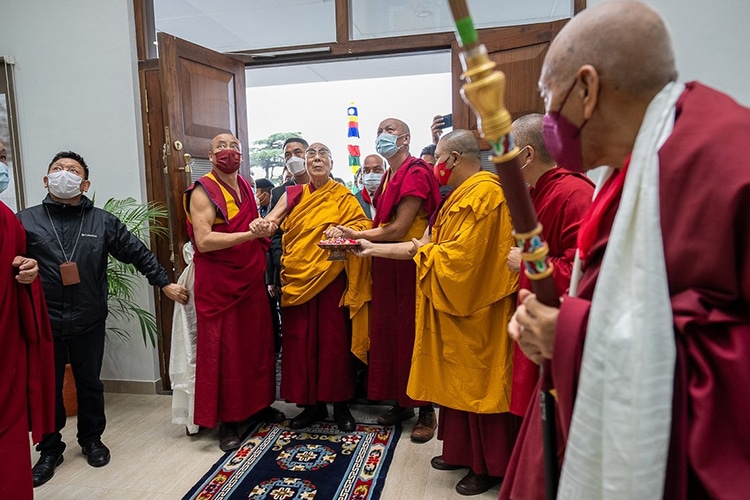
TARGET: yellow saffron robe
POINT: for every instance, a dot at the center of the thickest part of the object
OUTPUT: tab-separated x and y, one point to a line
463	356
305	270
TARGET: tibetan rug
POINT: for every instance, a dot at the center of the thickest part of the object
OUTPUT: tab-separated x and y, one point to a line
317	463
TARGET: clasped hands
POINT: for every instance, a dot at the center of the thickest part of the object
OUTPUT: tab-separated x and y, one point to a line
264	228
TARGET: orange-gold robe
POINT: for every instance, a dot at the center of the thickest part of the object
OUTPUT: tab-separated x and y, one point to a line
394	285
320	299
463	356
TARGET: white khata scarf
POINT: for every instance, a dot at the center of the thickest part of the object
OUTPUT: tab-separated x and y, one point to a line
619	436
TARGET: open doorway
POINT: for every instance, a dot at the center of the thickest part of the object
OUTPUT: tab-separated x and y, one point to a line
312	99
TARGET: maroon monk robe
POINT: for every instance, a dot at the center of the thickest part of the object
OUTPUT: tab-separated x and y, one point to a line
482	442
561	199
394	285
316	347
704	190
235	365
27	382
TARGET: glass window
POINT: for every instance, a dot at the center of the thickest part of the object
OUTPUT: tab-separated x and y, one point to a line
241	25
387	18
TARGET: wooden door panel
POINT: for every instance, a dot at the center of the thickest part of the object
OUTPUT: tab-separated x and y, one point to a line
204	95
156	191
208	102
519	53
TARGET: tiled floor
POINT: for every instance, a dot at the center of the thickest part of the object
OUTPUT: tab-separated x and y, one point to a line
154	459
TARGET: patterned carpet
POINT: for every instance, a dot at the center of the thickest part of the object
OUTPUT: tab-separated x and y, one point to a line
317	463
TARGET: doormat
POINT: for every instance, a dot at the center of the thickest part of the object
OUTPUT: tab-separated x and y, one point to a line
320	462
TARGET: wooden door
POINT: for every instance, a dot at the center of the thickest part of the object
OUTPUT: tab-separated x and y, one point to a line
203	95
189	95
519	52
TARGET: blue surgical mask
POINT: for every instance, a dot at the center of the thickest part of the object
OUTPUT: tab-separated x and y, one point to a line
386	146
371	181
4	177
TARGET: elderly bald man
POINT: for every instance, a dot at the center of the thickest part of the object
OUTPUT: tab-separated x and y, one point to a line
662	302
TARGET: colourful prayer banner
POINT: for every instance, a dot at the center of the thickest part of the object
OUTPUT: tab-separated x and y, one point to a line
353	135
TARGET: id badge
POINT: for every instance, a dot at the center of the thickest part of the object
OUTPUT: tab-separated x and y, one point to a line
69	273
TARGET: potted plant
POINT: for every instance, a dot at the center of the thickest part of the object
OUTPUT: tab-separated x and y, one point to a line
140	219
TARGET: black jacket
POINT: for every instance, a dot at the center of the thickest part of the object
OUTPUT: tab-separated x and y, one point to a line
75	309
273	259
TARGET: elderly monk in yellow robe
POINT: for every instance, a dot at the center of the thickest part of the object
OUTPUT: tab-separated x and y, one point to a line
320	298
463	358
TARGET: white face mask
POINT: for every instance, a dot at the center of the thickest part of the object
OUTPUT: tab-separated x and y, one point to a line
295	165
371	181
64	184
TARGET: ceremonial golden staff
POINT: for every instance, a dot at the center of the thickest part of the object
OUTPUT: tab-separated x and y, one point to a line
483	92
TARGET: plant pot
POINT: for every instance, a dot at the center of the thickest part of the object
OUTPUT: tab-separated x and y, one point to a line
70	396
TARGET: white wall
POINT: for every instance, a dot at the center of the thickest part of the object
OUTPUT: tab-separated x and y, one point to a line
712	42
77	86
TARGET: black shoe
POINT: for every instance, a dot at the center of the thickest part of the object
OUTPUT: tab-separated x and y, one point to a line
96	453
308	416
271	415
343	417
229	439
45	468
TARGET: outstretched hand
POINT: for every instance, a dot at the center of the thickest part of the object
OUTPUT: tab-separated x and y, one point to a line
28	269
364	249
176	292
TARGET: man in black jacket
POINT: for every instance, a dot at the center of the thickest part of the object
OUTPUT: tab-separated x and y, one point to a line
71	240
294	162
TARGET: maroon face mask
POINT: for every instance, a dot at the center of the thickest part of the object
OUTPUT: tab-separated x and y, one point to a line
228	160
563	139
442	172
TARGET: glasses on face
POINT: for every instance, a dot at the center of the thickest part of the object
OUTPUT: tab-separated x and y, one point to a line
322	152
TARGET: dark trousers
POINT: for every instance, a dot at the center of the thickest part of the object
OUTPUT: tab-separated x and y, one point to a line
273	303
85	353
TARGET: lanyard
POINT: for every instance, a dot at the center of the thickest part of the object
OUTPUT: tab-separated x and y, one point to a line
80	229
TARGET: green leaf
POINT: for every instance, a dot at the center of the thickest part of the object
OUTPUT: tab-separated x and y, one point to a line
143	220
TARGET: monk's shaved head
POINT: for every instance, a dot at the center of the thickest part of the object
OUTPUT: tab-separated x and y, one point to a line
394	126
527	131
462	141
626	41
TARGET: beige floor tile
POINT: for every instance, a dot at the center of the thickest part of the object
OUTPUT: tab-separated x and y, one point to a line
154	459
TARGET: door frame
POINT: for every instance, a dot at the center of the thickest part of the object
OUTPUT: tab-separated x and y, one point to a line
342	48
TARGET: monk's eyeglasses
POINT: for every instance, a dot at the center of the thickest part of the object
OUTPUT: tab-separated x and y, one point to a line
323	152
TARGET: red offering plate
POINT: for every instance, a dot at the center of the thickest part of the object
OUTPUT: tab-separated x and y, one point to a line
338	247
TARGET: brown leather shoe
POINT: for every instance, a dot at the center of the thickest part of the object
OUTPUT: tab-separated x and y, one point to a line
424	429
440	464
228	438
395	415
475	484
